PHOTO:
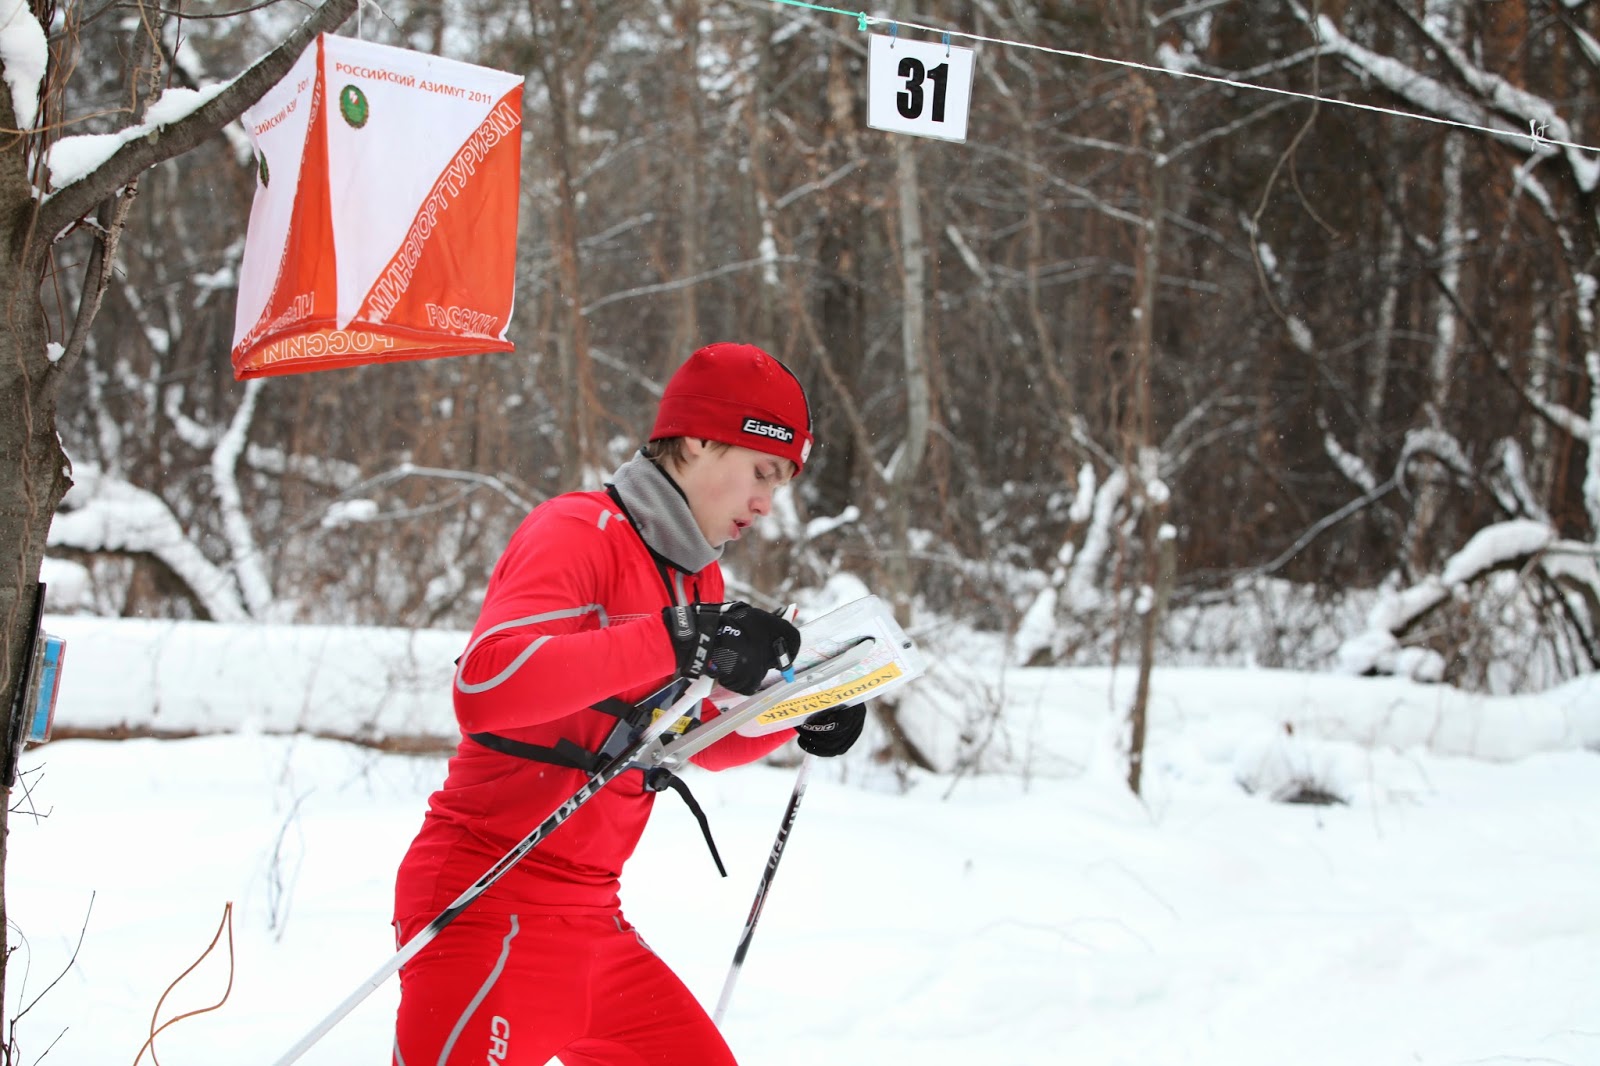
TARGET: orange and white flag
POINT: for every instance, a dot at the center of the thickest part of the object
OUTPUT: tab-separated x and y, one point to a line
384	225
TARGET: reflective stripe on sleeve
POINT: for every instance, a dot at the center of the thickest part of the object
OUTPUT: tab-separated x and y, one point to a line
526	653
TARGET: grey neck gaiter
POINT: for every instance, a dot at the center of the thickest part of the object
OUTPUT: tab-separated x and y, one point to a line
661	515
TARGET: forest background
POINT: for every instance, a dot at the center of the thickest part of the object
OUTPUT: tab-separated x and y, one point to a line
1142	345
1192	353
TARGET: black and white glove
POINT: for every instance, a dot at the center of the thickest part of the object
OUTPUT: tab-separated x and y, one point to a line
733	642
831	732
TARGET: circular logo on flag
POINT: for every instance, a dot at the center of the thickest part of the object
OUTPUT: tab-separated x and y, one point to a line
353	106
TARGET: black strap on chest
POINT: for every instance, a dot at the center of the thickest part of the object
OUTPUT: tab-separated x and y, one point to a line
630	721
569	753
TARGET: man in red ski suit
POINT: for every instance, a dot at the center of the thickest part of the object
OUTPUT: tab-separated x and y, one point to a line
599	595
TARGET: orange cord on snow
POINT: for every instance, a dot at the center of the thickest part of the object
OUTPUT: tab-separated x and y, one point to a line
150	1041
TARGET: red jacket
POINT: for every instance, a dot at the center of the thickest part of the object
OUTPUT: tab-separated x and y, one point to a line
572	615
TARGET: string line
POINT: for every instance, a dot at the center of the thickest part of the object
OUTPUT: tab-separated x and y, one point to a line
865	20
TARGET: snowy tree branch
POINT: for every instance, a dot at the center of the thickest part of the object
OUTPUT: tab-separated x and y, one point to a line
72	202
1507	545
247	561
109	515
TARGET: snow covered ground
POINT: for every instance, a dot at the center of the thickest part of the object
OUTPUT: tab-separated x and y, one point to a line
1447	913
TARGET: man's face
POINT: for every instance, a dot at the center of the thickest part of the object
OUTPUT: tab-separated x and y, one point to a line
728	486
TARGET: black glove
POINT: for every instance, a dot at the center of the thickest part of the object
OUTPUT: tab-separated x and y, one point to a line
831	732
733	642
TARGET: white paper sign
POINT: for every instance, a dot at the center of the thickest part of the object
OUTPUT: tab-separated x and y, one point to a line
919	87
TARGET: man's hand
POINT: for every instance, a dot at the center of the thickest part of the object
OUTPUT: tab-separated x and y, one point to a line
831	732
733	642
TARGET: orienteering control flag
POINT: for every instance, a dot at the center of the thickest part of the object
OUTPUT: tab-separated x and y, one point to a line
384	225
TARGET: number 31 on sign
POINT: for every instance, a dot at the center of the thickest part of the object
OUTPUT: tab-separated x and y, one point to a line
919	87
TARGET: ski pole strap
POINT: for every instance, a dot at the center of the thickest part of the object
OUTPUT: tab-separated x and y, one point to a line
574	756
657	778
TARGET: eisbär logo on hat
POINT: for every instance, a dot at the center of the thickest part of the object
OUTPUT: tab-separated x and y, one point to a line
737	394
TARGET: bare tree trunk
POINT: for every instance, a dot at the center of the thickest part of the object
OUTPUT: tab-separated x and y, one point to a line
30	454
1379	358
35	475
770	285
1160	570
907	466
564	47
1442	359
687	91
1142	457
837	310
572	329
913	339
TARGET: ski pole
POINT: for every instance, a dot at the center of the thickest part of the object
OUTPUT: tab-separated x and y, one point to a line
615	768
761	890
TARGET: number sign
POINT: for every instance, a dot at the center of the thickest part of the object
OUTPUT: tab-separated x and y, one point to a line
919	87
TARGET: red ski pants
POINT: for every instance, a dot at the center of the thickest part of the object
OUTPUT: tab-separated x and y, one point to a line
497	989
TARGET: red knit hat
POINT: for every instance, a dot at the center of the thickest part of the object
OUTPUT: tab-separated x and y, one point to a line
737	394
